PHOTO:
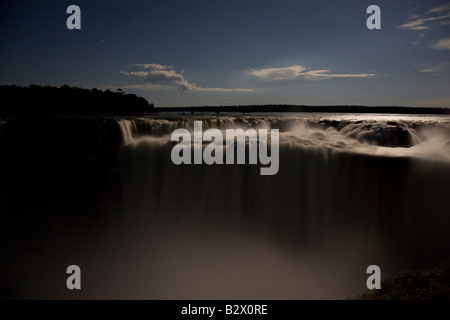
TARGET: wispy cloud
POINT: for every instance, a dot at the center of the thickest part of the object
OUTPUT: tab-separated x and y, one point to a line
443	44
431	69
147	87
423	21
223	89
156	66
436	67
155	73
160	73
300	72
440	9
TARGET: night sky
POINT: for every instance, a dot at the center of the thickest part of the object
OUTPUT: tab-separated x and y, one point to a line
193	53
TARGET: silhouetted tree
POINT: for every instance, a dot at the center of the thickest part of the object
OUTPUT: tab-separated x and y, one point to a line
37	100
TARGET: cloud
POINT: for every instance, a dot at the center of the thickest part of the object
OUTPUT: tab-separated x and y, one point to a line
152	66
147	87
300	72
273	74
440	9
422	22
224	89
428	67
443	44
160	73
156	73
431	69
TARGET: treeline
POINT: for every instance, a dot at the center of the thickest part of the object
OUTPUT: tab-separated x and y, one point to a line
38	100
303	108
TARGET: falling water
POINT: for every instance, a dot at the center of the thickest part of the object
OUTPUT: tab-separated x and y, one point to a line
351	191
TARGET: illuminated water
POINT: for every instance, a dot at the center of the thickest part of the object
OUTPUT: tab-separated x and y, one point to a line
351	191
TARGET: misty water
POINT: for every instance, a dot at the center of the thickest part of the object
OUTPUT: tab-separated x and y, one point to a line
352	190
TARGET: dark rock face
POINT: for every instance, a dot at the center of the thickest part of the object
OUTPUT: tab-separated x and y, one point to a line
73	154
392	136
54	174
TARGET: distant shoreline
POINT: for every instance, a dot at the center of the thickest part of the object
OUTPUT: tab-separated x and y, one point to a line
35	101
308	109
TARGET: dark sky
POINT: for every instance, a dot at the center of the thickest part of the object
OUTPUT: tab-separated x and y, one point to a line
185	53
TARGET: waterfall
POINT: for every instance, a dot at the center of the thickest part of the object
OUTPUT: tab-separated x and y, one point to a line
387	202
351	191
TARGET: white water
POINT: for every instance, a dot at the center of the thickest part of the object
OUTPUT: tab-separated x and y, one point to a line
352	190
